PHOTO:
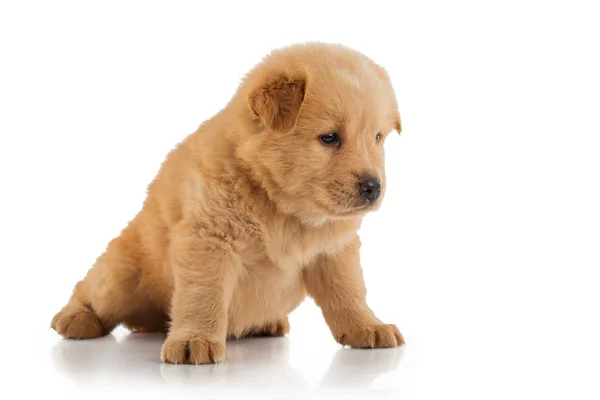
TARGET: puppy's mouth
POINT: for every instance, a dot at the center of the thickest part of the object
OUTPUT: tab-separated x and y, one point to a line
364	205
351	208
343	200
357	210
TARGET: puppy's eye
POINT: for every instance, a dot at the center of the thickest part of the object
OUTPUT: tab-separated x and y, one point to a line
330	139
378	137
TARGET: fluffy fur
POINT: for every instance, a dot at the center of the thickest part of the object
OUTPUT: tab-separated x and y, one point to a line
251	213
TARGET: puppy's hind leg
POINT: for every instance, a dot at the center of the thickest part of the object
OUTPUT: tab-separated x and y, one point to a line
103	298
273	329
77	320
148	321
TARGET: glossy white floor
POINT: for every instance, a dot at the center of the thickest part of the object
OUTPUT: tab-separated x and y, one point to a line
302	365
535	339
485	252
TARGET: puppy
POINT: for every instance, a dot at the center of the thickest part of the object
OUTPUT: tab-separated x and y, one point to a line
257	209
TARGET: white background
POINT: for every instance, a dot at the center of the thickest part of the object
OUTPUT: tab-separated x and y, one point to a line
486	250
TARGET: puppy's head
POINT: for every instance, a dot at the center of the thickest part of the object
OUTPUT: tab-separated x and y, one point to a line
321	114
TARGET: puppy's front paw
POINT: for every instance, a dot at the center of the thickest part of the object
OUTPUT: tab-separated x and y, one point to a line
374	336
189	349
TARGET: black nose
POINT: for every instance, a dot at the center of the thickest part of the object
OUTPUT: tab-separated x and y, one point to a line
370	188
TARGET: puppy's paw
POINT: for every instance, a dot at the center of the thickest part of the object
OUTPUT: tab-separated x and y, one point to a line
279	328
77	322
274	329
190	349
374	336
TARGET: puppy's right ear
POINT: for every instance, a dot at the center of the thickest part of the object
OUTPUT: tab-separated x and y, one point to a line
277	103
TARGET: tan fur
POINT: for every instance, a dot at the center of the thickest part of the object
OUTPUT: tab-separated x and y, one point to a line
251	213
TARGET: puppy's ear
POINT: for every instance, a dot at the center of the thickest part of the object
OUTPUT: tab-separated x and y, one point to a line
398	124
277	103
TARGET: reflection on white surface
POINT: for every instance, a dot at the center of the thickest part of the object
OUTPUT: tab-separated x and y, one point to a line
359	368
260	363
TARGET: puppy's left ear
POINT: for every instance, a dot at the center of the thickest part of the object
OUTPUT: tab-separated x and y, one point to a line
277	103
398	124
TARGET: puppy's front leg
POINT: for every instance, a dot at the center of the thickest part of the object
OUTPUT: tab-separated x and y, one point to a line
336	283
203	269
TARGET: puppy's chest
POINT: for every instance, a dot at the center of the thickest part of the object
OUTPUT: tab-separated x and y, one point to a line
287	246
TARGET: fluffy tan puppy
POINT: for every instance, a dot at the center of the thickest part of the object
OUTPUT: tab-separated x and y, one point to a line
255	210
